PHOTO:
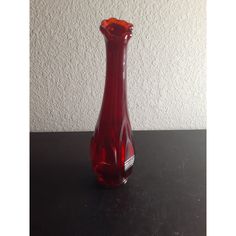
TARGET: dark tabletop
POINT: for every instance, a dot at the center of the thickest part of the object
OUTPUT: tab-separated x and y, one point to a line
164	196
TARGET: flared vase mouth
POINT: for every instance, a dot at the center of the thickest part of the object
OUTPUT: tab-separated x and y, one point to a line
115	29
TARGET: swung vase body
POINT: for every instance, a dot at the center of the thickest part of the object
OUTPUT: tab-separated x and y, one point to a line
112	148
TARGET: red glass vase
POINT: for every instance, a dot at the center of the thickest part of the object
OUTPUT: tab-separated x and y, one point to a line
112	148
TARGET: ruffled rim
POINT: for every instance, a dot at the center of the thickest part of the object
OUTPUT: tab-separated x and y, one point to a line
114	28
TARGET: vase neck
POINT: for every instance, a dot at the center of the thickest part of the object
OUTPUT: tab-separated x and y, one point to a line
115	98
116	61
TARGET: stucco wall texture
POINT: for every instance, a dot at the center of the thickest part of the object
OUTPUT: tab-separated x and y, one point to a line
166	63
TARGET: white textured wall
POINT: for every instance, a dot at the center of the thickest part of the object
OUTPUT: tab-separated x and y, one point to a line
166	63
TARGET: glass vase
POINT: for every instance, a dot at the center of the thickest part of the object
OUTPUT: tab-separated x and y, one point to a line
112	147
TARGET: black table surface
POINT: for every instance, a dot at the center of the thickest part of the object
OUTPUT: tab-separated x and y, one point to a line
164	196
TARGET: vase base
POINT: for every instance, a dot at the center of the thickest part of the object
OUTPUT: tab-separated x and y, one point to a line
111	183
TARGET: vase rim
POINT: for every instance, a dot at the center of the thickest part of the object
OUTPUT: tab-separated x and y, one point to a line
114	28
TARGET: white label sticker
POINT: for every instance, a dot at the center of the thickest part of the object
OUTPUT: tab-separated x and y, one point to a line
129	163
